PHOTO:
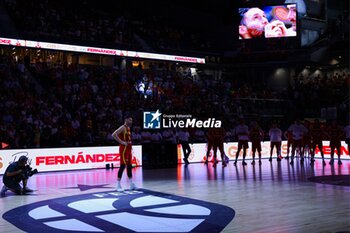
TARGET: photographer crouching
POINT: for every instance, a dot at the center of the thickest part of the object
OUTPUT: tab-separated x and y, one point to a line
14	174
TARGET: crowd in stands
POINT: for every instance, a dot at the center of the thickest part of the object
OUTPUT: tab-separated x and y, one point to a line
165	36
99	24
79	23
61	104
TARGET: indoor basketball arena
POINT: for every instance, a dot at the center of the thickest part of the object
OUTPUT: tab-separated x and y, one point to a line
174	116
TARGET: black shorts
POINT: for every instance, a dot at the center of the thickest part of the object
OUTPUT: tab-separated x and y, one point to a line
256	146
243	144
297	143
275	144
335	144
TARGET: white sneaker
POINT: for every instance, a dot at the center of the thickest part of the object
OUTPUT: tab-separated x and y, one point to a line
119	188
3	190
133	186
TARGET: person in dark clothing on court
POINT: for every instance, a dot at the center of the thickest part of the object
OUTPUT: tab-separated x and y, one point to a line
16	173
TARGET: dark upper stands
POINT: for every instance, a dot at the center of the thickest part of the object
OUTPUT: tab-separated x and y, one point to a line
49	105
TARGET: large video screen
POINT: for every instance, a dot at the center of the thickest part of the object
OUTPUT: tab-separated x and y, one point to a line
267	22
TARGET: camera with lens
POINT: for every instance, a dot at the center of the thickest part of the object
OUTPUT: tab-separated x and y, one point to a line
28	172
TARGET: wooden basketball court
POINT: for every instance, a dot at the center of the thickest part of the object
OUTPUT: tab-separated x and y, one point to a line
273	197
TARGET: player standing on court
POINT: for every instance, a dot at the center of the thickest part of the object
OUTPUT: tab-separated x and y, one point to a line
123	136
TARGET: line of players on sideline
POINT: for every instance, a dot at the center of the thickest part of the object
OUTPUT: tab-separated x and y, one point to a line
300	138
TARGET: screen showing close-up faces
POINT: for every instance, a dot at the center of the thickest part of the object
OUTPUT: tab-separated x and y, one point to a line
268	22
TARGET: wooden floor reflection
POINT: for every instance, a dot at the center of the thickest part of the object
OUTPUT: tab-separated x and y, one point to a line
273	197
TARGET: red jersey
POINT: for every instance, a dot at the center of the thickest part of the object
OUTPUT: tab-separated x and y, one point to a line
317	134
126	135
290	136
125	151
335	134
307	137
256	134
216	135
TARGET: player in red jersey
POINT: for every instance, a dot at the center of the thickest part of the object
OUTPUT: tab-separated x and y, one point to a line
306	141
289	136
298	130
123	136
242	132
317	135
256	135
275	141
209	146
335	134
217	136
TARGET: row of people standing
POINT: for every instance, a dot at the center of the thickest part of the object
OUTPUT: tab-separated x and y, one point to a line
305	138
301	139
